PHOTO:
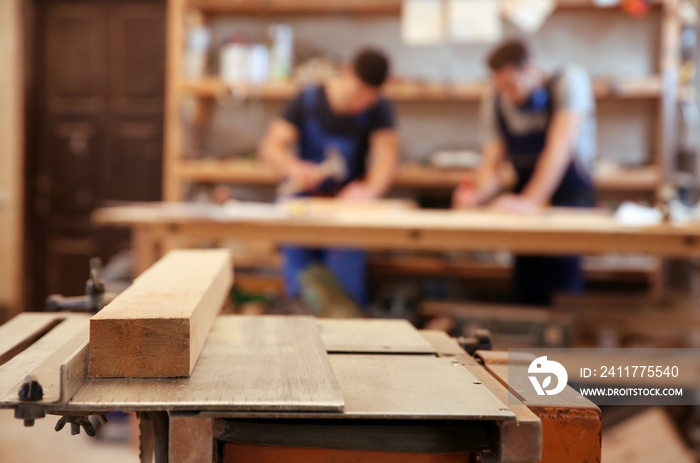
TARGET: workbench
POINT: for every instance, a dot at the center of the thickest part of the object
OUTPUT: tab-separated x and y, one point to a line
275	388
159	227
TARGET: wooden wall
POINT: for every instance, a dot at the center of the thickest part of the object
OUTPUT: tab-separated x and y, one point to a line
11	155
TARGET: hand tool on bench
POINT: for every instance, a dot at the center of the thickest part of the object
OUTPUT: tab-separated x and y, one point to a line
333	167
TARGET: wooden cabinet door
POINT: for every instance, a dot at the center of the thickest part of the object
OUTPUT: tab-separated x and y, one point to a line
95	130
74	57
137	57
132	168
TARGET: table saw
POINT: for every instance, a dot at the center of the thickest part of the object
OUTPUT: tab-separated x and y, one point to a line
392	394
281	388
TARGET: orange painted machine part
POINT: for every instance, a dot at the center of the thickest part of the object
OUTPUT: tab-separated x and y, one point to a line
237	453
570	434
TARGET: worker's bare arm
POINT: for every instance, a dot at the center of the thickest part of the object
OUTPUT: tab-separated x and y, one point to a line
277	149
487	183
488	179
383	162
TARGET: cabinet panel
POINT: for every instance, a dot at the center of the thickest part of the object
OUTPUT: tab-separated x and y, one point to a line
76	62
73	150
134	166
96	112
138	60
68	262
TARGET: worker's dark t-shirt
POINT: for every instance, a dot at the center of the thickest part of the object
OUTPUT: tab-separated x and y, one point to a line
380	116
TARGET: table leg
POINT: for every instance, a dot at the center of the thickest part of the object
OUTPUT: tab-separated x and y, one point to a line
191	439
144	245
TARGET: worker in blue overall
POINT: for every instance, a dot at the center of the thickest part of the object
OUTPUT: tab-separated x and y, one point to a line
346	118
544	124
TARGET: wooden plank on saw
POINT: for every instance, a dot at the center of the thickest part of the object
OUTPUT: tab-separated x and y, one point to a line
23	331
249	363
157	327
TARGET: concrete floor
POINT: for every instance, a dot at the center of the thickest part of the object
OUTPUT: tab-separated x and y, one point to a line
42	444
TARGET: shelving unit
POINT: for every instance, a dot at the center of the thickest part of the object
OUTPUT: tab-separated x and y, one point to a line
660	87
257	173
417	92
409	175
291	7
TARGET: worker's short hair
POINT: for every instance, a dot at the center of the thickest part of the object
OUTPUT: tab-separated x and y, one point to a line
509	53
371	66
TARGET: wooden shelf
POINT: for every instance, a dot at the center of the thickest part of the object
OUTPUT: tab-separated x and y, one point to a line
420	176
271	285
437	267
256	173
297	7
212	87
647	178
358	7
227	171
251	172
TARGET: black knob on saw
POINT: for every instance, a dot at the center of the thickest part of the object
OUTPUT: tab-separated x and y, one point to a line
30	390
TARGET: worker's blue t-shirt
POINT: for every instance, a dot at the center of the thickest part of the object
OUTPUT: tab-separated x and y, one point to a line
358	127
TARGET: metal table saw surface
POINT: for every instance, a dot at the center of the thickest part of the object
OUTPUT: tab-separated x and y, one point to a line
374	376
266	364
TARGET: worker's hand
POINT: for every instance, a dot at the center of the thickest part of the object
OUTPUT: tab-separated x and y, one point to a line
357	191
221	194
518	204
305	176
464	198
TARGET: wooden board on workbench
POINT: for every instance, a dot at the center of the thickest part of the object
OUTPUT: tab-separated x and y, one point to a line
372	336
550	231
157	327
251	363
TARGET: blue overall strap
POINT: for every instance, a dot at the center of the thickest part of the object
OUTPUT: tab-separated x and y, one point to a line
308	150
309	96
576	188
315	139
525	149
